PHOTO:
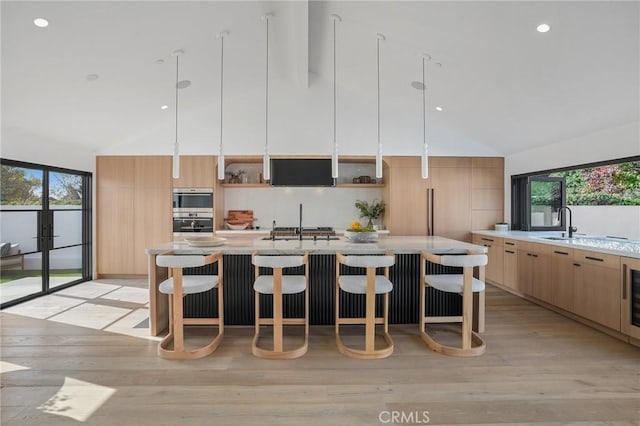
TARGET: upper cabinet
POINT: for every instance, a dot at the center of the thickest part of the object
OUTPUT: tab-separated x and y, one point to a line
196	171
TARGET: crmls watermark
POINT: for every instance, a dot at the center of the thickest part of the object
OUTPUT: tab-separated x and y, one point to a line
404	417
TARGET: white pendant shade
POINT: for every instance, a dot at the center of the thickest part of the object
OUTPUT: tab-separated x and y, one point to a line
379	162
334	162
221	171
176	161
425	162
266	167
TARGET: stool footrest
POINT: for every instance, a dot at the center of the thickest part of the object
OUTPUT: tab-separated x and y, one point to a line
432	320
378	320
201	321
285	321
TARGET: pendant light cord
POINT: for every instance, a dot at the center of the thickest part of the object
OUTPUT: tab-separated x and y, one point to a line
334	83
378	64
424	108
177	68
266	98
221	86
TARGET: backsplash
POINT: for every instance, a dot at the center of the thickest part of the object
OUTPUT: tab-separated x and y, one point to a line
321	206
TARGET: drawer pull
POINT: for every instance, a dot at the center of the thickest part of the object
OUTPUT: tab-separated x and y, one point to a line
486	239
576	264
487	245
534	255
510	244
561	252
594	258
509	251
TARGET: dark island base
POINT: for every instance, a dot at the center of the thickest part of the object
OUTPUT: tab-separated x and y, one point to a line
403	303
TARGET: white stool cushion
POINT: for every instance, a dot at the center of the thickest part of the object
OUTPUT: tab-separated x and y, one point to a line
369	261
278	261
190	284
452	283
180	261
291	284
358	284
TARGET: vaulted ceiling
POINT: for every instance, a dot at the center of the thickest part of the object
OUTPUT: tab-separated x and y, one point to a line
503	86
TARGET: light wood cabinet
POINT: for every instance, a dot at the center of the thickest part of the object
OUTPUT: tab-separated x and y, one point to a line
196	171
510	264
461	194
494	269
133	199
562	278
597	287
534	273
406	197
630	301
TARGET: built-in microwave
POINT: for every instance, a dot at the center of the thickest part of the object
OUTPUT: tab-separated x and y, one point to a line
192	200
186	224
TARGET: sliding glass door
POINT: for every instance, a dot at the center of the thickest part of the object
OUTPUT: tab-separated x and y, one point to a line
45	230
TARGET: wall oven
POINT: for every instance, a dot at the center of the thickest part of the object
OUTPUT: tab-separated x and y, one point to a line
192	200
193	224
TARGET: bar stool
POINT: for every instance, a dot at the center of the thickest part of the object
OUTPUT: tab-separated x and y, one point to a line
278	285
179	285
465	284
369	285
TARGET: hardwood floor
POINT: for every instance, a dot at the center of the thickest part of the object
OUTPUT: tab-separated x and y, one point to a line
539	368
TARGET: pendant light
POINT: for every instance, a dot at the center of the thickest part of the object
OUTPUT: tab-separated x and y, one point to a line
176	148
379	152
221	170
334	154
266	166
425	147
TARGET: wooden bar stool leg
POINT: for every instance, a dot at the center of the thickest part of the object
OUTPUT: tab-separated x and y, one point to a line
467	308
370	326
277	309
178	326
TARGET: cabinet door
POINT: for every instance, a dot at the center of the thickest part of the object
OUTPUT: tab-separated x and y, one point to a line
597	293
562	278
152	207
114	215
510	268
493	270
407	200
196	171
452	201
541	283
525	272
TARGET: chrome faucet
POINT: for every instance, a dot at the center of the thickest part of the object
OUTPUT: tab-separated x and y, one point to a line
572	229
300	229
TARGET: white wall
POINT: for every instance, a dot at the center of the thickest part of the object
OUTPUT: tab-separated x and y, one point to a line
609	144
616	221
321	206
21	146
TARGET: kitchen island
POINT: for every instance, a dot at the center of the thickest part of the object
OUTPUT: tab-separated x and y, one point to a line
238	278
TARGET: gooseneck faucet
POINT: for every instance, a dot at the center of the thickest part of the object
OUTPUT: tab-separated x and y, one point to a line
571	228
300	229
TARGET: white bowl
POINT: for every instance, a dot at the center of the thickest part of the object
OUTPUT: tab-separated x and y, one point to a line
237	227
205	241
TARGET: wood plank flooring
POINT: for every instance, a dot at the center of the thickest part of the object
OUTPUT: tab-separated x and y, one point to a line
539	368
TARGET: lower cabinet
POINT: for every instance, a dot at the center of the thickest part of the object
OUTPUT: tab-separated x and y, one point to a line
510	264
534	270
562	278
597	289
494	268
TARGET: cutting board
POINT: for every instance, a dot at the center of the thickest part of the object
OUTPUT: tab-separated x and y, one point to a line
237	217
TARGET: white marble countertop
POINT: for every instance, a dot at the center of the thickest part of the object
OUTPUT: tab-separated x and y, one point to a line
397	245
596	243
254	232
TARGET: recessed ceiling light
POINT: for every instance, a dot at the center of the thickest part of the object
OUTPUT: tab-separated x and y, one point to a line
41	22
164	107
183	84
92	77
439	108
543	28
159	61
417	85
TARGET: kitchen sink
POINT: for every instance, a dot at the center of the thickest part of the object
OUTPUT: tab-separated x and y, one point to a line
553	238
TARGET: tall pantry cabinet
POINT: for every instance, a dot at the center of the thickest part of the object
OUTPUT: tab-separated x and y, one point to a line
133	205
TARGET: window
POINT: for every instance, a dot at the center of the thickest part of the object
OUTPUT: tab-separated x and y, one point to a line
537	197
